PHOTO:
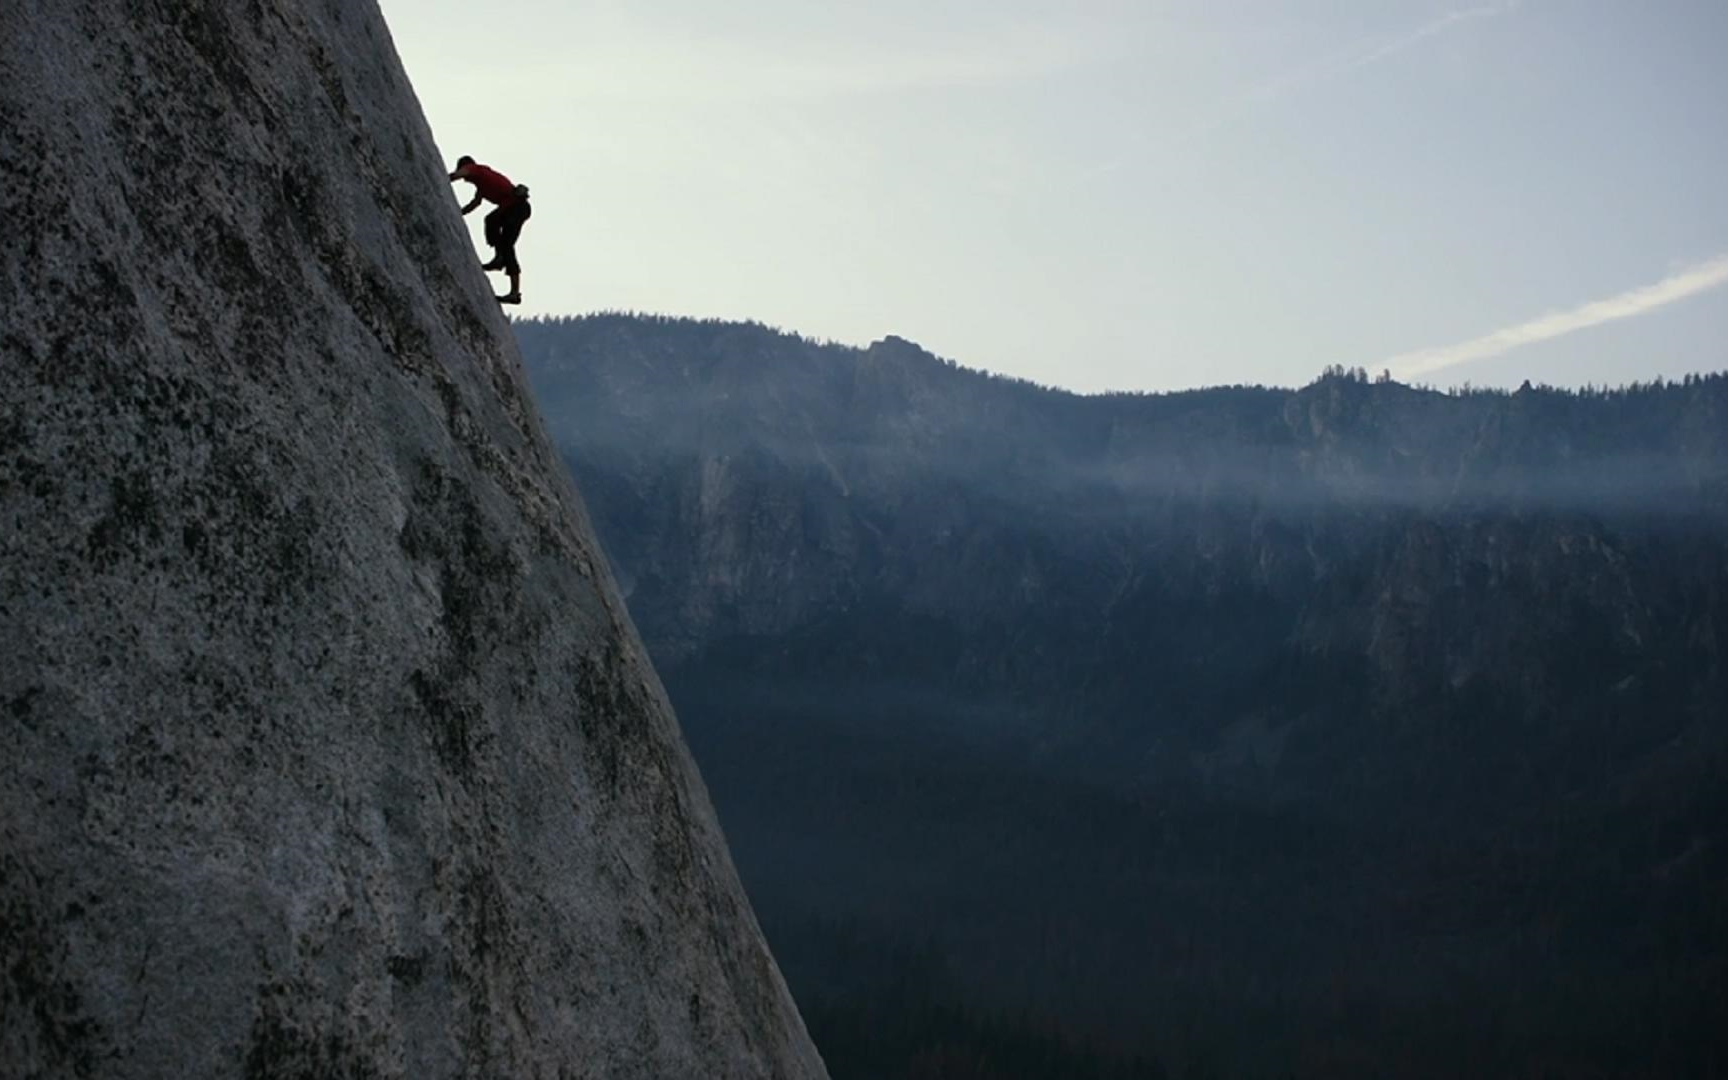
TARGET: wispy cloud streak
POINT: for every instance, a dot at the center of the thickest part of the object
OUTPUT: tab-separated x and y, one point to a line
1361	56
644	63
1244	102
1688	282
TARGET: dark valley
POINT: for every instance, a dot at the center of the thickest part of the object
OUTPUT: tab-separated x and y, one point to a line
1354	730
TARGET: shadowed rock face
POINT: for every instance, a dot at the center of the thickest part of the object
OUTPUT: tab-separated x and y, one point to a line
329	749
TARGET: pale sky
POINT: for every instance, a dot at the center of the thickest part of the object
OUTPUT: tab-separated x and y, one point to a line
1105	195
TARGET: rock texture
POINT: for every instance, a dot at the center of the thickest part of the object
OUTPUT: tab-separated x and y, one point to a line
329	748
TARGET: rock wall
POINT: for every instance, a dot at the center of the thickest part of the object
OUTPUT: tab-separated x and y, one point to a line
328	746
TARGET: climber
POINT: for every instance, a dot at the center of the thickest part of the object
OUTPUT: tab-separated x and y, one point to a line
504	224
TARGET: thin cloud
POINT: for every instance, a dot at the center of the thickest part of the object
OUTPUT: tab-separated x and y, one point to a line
1421	33
1361	54
1689	282
634	65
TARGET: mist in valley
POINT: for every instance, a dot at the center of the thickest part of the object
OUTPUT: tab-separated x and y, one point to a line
1357	729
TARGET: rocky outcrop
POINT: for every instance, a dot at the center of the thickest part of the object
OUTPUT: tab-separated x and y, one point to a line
330	749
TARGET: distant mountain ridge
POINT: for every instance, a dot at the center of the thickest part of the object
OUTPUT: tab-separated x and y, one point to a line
1219	705
744	386
851	428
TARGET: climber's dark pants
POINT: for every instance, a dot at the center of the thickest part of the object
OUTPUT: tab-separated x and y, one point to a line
503	226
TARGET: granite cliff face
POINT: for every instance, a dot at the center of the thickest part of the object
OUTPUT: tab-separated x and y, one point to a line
329	747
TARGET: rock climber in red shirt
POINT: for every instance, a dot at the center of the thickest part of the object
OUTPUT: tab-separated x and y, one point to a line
503	224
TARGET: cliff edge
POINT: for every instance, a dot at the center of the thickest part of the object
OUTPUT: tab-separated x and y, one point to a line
330	750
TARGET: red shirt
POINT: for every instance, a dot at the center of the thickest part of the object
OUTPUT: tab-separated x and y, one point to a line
491	185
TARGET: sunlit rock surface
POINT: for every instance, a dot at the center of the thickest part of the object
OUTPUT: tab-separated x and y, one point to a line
328	747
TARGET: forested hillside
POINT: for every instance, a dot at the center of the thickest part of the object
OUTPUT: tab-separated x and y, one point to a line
1354	730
